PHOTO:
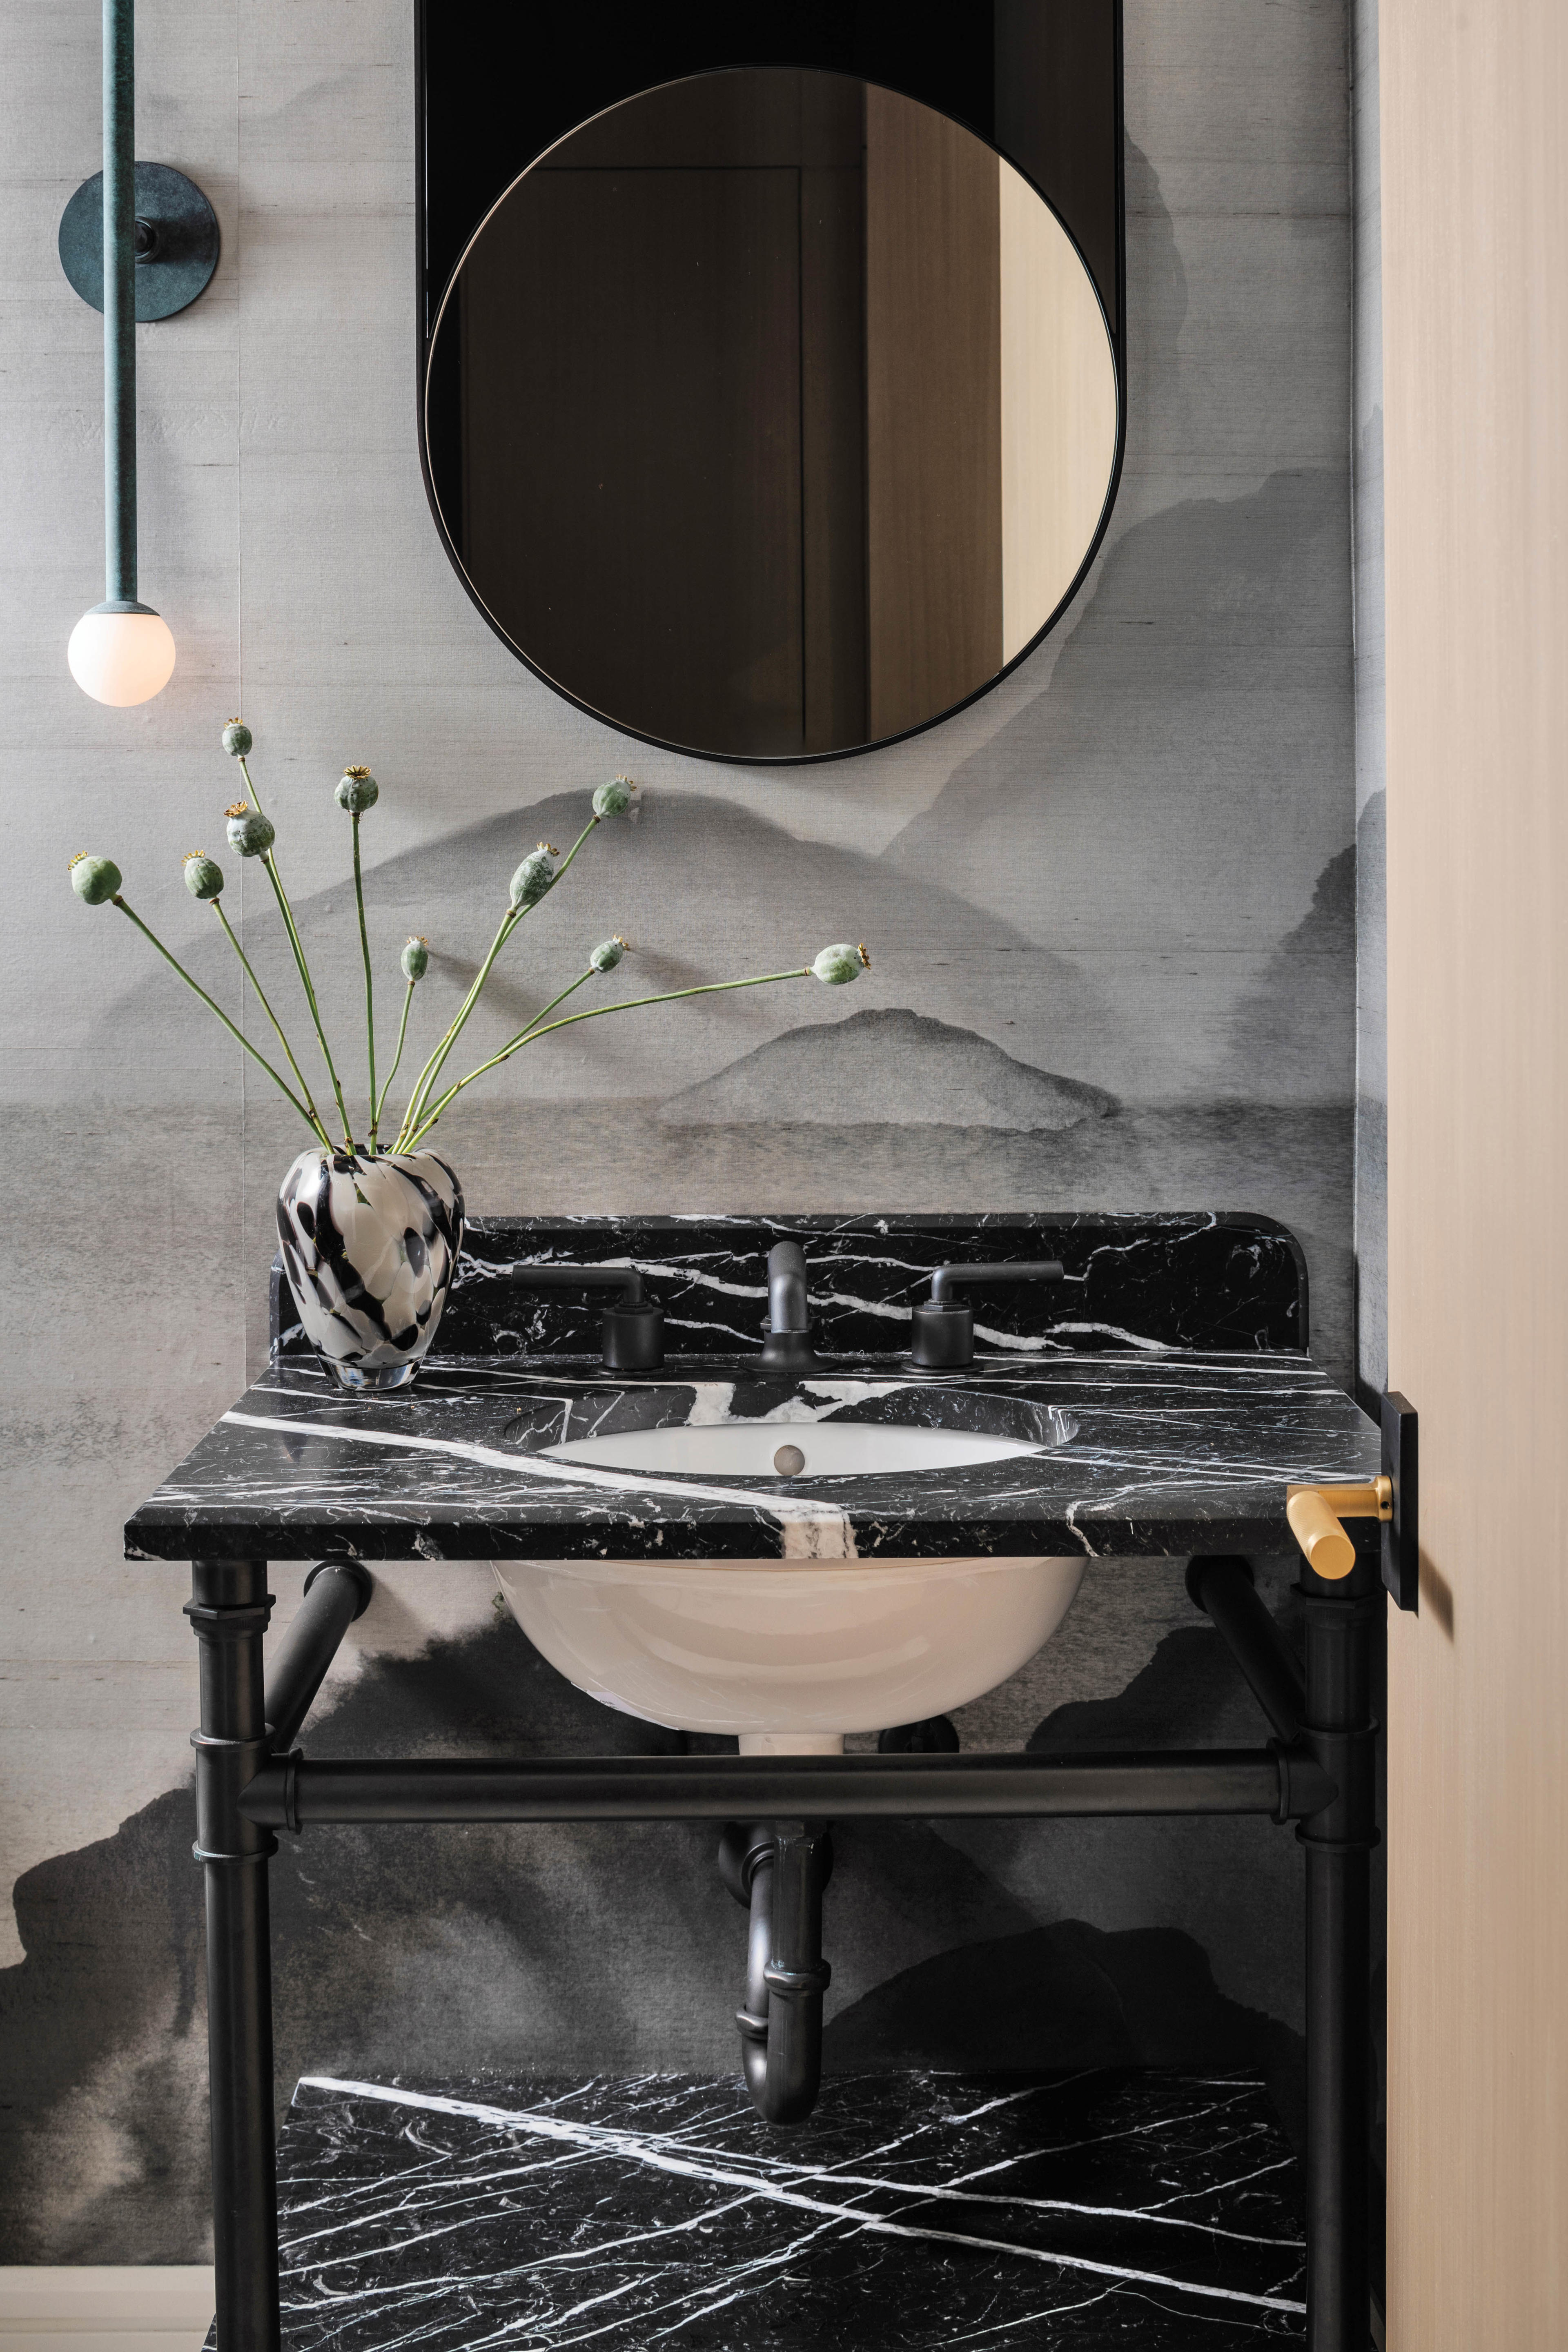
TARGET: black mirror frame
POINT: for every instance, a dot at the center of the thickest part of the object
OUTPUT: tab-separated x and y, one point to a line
431	301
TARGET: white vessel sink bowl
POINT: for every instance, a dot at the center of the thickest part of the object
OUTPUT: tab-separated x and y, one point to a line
790	1653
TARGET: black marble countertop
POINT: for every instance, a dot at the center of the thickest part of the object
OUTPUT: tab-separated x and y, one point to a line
1163	1386
1149	1451
1148	2210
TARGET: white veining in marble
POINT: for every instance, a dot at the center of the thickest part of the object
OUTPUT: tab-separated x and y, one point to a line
637	2213
539	1465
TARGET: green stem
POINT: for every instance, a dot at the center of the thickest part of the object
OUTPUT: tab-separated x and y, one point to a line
570	990
572	853
369	1000
249	787
425	1084
287	912
514	1043
444	1044
311	1111
629	1004
237	1034
386	1089
289	925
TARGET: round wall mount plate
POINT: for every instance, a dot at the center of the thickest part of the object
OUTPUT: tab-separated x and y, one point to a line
176	225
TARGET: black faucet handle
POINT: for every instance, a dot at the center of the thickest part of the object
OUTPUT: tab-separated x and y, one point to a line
632	1332
943	1337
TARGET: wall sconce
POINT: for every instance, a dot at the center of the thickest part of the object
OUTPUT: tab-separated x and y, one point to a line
138	241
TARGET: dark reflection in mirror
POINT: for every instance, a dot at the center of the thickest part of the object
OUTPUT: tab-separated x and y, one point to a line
770	413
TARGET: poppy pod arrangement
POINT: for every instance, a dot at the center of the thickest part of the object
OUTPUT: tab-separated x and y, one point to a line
372	1228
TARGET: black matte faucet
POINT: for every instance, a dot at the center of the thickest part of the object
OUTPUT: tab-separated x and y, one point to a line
788	1342
943	1337
632	1329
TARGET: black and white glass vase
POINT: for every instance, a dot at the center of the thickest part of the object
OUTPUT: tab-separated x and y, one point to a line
370	1247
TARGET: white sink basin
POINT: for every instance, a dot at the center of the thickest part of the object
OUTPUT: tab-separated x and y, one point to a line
790	1654
773	1449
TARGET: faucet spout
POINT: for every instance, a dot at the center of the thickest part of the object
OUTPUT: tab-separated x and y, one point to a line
787	1310
789	1314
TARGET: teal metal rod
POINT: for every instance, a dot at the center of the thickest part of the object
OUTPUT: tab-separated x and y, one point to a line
119	300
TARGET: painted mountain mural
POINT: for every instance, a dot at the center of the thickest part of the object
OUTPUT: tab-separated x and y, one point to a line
894	1068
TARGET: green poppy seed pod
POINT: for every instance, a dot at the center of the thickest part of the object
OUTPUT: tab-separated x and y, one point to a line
533	877
237	740
614	798
249	833
835	966
416	959
608	953
204	874
357	791
94	880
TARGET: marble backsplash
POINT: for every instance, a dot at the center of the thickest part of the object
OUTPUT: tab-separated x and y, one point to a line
1199	1279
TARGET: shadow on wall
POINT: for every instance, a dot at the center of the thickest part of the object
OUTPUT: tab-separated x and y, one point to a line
449	1954
1152	795
700	887
1069	1994
1064	1996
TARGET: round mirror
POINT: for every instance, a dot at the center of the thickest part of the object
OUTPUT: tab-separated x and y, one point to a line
771	414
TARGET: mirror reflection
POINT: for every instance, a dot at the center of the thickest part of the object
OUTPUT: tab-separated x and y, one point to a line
770	413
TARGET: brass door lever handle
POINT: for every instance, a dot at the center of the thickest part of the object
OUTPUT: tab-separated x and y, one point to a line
1315	1514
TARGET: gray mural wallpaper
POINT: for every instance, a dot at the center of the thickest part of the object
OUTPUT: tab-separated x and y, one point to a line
1111	909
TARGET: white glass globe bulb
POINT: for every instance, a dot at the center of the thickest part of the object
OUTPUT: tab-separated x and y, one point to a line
120	656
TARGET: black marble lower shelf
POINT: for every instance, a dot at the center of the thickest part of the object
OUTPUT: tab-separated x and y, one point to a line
1139	2209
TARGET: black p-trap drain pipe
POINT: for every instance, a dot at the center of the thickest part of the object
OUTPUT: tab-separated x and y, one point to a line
778	1870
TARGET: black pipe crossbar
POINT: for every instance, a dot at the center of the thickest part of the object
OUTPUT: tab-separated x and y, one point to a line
336	1592
1284	1783
1222	1586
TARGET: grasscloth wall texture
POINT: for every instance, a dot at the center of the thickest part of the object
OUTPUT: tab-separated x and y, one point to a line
1131	868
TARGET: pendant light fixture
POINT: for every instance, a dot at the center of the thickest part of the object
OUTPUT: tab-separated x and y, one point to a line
138	242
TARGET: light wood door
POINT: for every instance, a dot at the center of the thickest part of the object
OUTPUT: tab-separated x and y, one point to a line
1474	266
933	412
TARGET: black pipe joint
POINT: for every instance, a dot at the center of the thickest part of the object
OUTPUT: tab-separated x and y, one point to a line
224	1769
1338	1677
230	1630
779	1870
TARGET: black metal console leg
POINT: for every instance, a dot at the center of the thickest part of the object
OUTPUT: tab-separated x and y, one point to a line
1341	1624
229	1611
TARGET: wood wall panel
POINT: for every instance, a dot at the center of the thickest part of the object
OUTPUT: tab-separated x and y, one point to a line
1058	411
933	423
1475	211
